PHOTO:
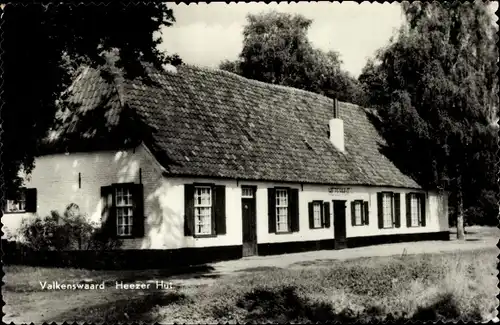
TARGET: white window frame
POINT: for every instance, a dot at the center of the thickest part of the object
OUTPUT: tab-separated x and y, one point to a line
360	204
415	211
127	219
390	197
317	214
18	205
203	211
282	205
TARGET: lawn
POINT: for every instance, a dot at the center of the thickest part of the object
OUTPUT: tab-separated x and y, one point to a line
448	286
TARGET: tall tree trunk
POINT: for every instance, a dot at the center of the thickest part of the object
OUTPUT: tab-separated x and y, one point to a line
460	211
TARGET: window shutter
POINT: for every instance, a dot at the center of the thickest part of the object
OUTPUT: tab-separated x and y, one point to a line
30	195
366	214
138	200
397	210
294	209
380	210
353	213
188	210
422	209
220	209
408	209
108	211
271	209
311	215
326	214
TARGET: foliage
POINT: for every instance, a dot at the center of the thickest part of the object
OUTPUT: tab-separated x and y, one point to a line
57	232
276	50
43	46
435	88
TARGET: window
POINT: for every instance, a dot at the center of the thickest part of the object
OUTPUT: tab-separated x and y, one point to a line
282	210
387	210
25	201
358	218
415	209
18	204
359	213
203	210
317	215
246	192
124	211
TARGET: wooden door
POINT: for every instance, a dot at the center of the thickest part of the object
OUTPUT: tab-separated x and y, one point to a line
248	207
339	223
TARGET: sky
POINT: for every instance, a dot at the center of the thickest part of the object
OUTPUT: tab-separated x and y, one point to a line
206	34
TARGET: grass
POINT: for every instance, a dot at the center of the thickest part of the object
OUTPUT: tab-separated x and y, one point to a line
449	286
457	286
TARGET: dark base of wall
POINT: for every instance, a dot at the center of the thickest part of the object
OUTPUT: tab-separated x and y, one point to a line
296	247
122	259
400	238
180	259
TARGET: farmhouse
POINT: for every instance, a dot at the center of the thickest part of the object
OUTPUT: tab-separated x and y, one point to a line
207	162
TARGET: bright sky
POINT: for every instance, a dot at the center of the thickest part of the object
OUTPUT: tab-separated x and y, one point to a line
205	34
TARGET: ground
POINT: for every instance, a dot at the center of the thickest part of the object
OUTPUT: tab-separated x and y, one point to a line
404	280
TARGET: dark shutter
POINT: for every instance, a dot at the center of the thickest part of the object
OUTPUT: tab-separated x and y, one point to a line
366	214
397	210
408	209
353	213
422	209
326	214
311	215
188	210
108	212
138	200
380	210
220	209
293	208
271	209
30	196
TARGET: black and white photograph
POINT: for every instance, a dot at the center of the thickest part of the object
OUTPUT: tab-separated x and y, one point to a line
249	162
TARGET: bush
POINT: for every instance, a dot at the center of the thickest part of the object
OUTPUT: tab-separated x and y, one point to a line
69	231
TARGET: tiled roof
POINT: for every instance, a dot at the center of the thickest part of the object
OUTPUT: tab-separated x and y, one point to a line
213	123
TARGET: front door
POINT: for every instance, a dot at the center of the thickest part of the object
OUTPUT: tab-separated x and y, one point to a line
249	220
339	223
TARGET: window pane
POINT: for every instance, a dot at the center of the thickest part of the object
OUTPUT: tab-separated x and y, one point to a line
415	209
317	214
387	210
357	213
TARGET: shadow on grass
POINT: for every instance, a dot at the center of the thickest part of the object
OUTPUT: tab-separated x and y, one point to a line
135	308
260	269
445	309
284	305
318	262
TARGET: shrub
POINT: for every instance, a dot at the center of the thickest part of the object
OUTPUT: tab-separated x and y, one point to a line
69	231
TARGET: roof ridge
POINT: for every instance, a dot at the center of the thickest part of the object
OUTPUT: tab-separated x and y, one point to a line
255	82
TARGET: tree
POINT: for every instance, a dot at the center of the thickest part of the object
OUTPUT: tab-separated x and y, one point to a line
435	87
276	50
44	44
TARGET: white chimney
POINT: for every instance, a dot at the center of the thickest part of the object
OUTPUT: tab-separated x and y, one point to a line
337	129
